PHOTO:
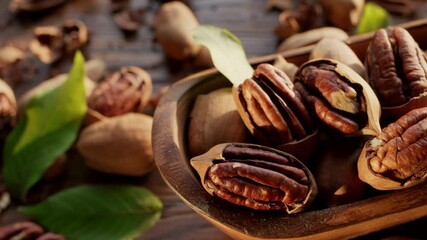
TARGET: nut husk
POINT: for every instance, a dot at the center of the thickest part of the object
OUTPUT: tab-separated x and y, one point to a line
119	145
213	120
311	37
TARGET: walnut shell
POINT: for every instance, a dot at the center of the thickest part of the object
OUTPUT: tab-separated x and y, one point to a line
119	145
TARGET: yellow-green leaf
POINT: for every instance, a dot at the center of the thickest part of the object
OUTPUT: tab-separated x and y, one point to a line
50	126
373	18
226	51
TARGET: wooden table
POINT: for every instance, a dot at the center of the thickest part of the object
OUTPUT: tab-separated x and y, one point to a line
248	19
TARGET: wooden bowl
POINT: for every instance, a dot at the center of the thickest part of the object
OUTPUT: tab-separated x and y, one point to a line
328	218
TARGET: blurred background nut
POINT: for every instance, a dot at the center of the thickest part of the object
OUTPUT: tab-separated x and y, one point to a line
8	109
126	90
172	25
311	37
213	120
118	145
33	5
396	158
48	44
338	50
75	34
344	14
129	19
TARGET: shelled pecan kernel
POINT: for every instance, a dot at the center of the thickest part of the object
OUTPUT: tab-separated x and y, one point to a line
271	109
256	177
396	67
340	98
397	157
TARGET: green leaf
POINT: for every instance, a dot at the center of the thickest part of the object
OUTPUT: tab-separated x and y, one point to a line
373	18
98	212
50	126
226	51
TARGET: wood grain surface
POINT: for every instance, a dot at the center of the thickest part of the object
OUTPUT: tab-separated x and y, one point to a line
248	19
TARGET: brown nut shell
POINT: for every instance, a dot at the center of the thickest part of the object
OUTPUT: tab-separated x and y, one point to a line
335	49
256	177
213	120
126	90
396	158
344	14
172	25
8	109
311	37
369	104
393	113
119	145
274	112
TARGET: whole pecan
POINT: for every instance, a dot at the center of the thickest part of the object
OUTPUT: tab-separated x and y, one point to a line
271	109
396	67
339	97
256	177
27	231
126	90
397	157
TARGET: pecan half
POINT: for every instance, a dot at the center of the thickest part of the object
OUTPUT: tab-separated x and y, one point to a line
271	109
396	67
27	231
256	177
397	157
126	90
340	98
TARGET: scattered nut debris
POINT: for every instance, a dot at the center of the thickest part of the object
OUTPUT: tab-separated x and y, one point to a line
53	42
130	20
27	230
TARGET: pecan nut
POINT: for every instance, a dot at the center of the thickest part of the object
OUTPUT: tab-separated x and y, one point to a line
340	98
27	230
397	157
127	90
396	67
256	177
271	109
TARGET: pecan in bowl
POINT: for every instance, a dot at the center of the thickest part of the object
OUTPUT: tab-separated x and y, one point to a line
396	158
397	71
274	112
256	177
339	97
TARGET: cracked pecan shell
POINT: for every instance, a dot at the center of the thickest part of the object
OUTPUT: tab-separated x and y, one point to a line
127	90
256	177
274	112
339	97
270	107
397	158
396	68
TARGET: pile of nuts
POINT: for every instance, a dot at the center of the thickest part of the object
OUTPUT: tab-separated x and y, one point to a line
326	96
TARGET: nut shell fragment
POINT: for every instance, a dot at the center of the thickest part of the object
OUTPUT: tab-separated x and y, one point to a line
256	177
397	158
